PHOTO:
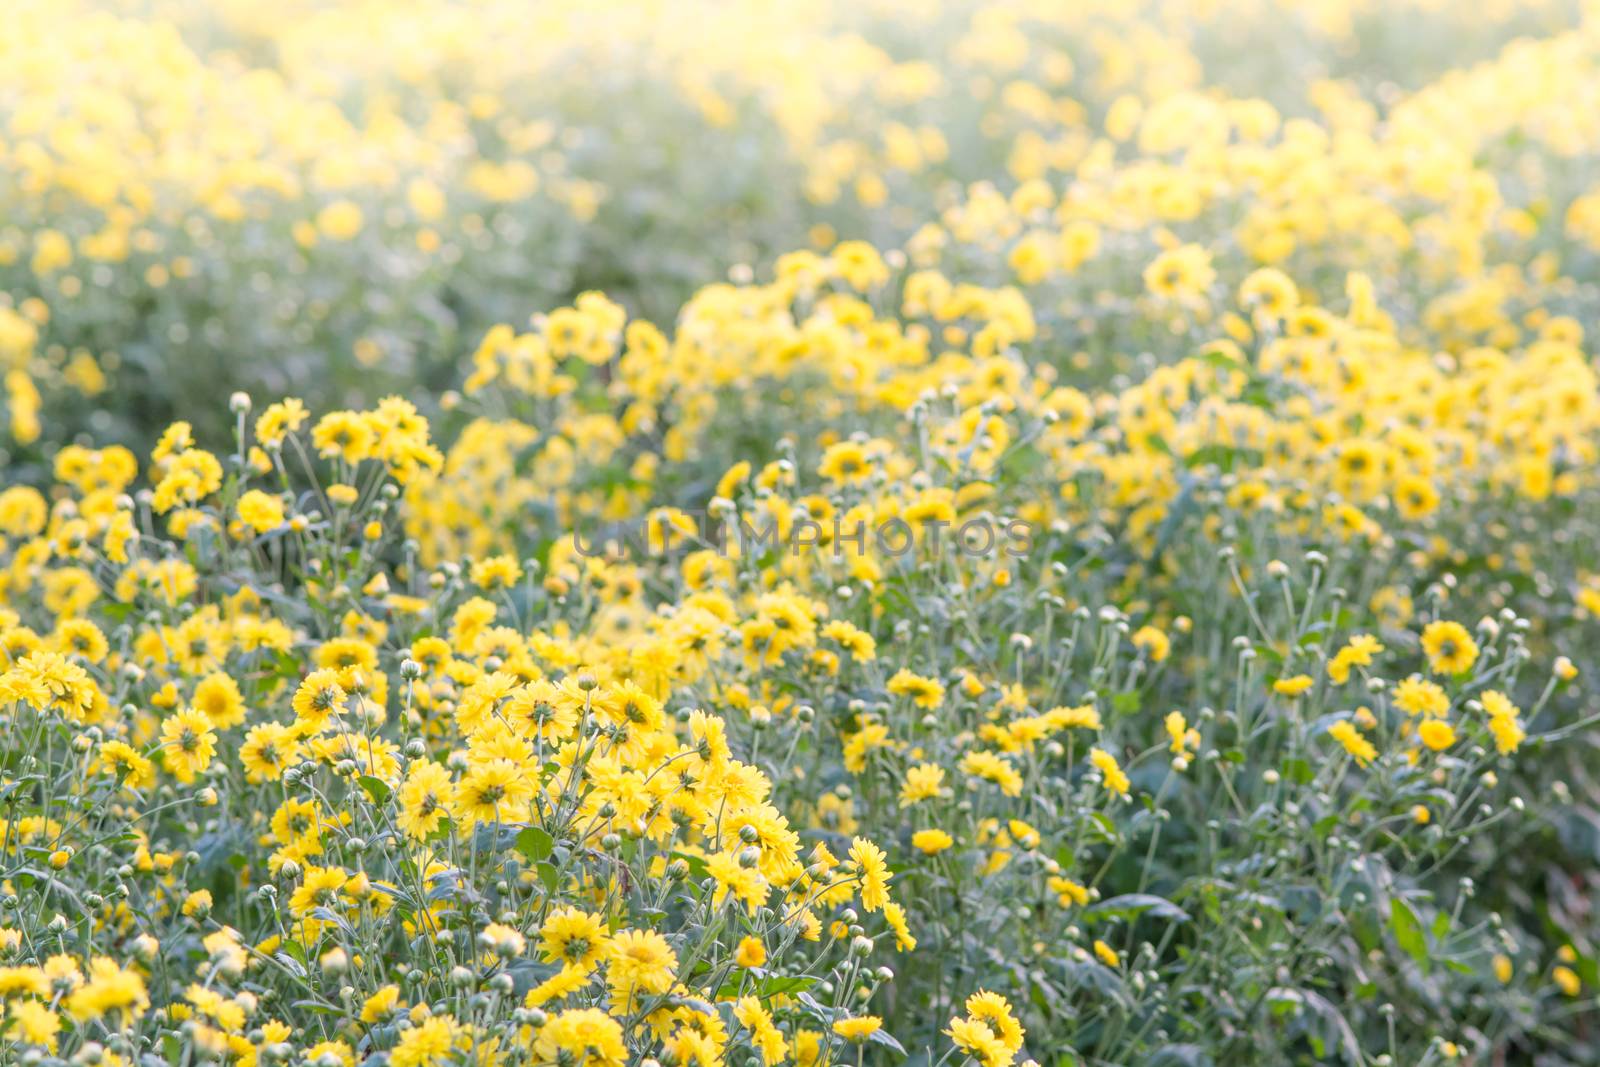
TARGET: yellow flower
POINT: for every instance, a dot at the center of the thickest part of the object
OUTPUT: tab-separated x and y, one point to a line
873	872
1268	294
993	768
110	990
1436	734
1357	652
381	1005
1345	732
120	758
426	797
1294	686
931	842
750	953
319	697
860	265
268	750
506	942
1154	643
187	744
1068	892
1181	274
857	642
559	986
924	692
1416	497
346	435
846	463
218	698
768	1038
1111	774
497	790
858	1029
340	220
1449	647
1504	726
260	511
318	888
641	963
35	1023
895	916
1181	738
1417	696
736	875
574	938
427	1044
342	494
496	572
994	1011
922	782
279	420
979	1042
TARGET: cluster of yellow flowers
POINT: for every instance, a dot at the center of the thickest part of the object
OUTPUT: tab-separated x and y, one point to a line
543	794
1117	605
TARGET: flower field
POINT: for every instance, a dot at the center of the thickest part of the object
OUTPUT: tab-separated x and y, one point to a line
681	533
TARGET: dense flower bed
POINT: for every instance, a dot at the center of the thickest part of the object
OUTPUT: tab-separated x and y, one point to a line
1049	534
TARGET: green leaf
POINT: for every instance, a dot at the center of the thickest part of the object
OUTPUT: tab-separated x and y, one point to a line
821	1012
376	788
525	974
549	876
535	844
1408	932
882	1037
1220	359
1181	1056
1337	1027
778	985
1101	828
1284	1002
1224	457
1298	771
290	964
1131	905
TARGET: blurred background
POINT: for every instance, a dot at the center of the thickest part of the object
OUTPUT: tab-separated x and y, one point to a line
338	197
